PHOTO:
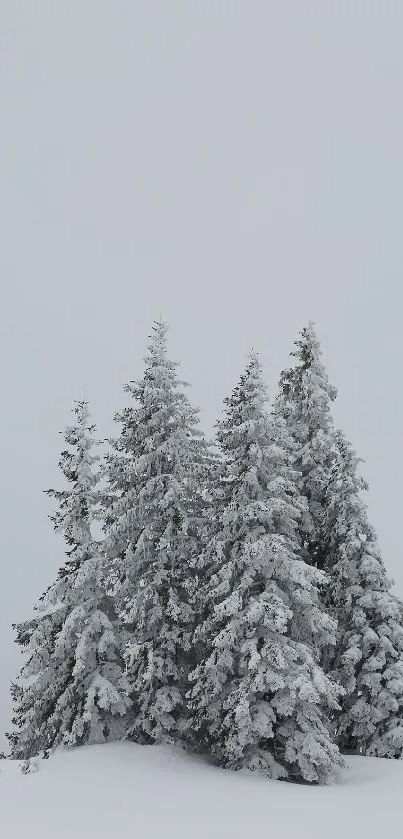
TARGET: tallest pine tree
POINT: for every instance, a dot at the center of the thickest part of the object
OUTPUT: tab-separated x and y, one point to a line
305	403
337	538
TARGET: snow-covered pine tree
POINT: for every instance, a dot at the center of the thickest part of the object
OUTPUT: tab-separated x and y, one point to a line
304	401
156	474
368	657
259	698
336	535
71	690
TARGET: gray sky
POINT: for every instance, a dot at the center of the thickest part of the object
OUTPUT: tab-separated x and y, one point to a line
234	166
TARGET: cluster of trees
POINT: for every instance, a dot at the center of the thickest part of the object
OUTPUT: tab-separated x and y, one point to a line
238	603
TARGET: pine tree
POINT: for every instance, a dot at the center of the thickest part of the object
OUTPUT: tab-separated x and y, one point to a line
71	689
368	658
337	537
259	698
156	472
304	401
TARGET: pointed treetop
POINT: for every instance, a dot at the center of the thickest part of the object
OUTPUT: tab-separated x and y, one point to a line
80	435
309	349
308	344
252	379
83	422
309	353
253	361
253	370
307	382
247	401
157	355
158	338
82	411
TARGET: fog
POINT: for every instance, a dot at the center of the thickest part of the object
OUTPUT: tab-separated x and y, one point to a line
234	167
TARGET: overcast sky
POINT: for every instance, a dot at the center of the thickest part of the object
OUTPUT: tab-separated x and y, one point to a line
235	167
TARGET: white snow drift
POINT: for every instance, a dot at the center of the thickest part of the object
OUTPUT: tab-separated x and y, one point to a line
126	791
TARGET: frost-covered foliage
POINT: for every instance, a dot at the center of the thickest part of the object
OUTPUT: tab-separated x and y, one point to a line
336	535
71	689
259	698
368	658
304	401
233	593
156	473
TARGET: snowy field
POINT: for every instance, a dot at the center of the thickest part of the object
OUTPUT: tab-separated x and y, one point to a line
124	791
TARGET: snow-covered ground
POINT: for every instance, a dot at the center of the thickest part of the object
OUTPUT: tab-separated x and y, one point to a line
123	791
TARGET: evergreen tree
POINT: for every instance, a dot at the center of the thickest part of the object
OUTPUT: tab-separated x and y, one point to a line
71	689
337	537
259	698
368	658
304	401
156	472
